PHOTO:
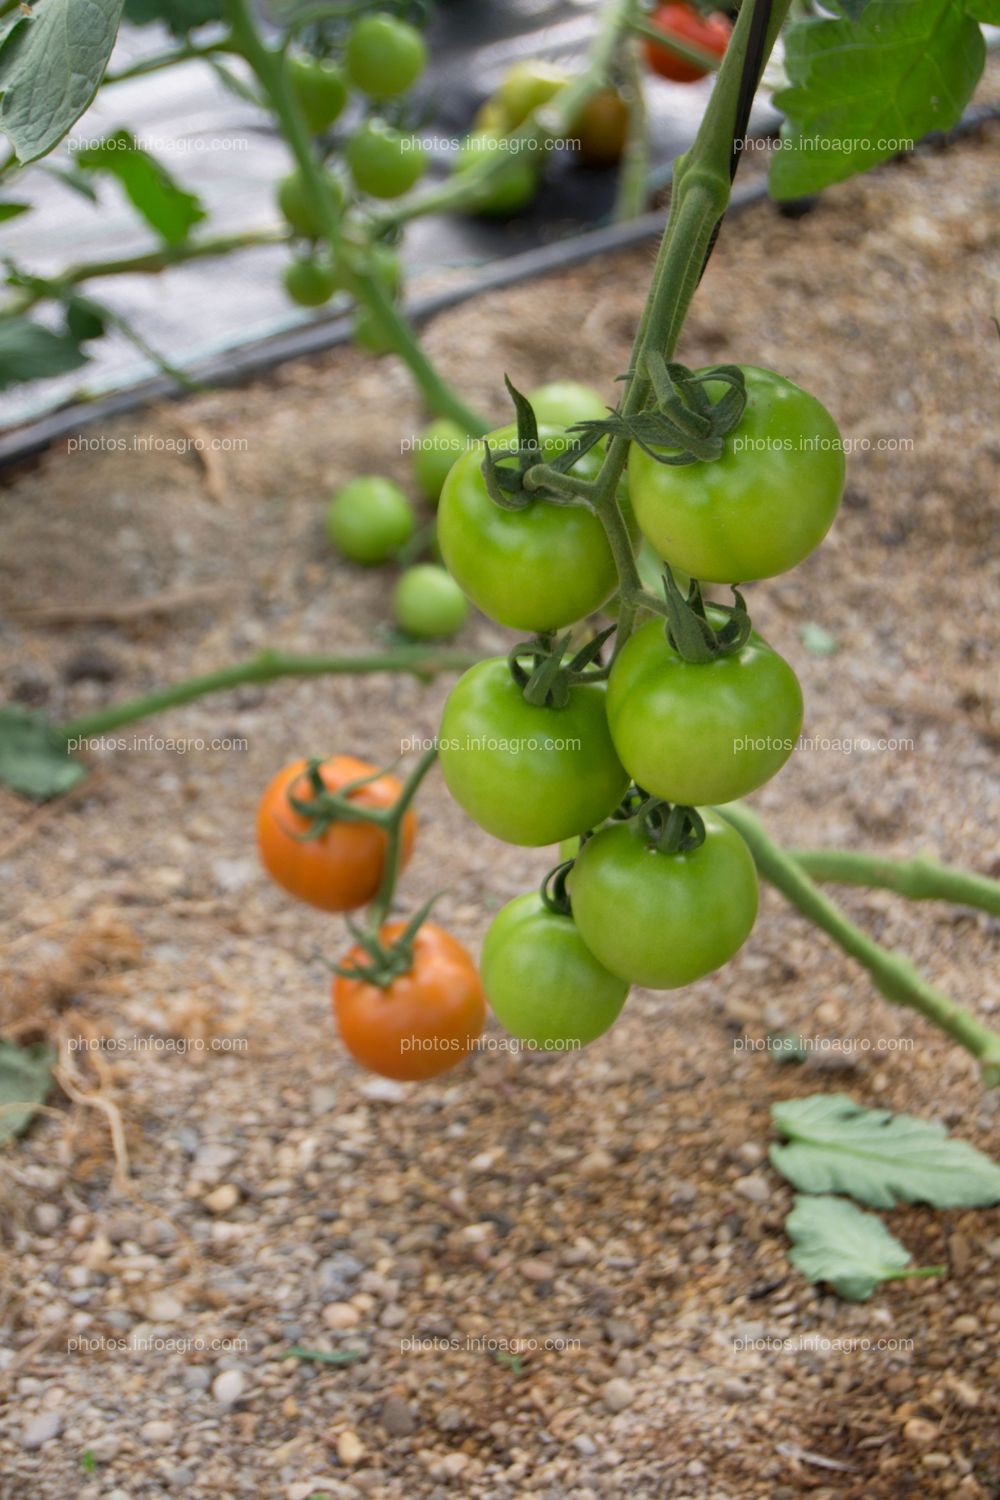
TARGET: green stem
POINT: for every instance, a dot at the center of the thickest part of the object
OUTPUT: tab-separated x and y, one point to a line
379	909
910	1271
633	174
894	975
160	60
421	661
269	66
918	879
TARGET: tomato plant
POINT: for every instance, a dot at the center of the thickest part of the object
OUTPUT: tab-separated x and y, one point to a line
527	773
701	732
385	56
425	1020
761	507
542	981
385	162
525	87
536	568
369	519
337	867
678	19
661	919
428	604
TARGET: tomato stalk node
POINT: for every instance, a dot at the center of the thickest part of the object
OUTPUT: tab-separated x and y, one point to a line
684	421
673	828
553	891
549	681
688	629
529	479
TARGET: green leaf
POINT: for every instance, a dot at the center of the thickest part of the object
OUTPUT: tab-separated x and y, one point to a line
166	207
25	1079
30	352
181	16
71	178
861	90
837	1243
818	640
33	756
51	64
11	210
85	318
877	1157
850	8
987	11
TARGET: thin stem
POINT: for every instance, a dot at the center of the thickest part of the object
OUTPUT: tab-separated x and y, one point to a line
160	60
894	975
633	174
418	660
918	879
910	1271
379	909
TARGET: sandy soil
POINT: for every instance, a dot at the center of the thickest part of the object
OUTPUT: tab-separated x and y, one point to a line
613	1211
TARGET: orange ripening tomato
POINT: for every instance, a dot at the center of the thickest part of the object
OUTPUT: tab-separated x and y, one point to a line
424	1021
341	869
710	33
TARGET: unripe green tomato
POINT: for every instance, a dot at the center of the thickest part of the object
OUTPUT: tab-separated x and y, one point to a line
542	981
320	90
563	402
368	333
309	283
526	86
436	450
428	603
664	920
512	188
384	56
369	519
296	204
385	162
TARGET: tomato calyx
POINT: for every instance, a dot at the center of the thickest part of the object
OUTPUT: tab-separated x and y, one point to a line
386	961
672	828
324	808
553	889
688	629
531	479
684	421
549	681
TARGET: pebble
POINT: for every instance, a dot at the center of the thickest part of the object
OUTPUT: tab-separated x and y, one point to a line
584	1445
617	1395
397	1417
222	1199
452	1465
47	1217
196	1377
683	1193
919	1431
966	1324
735	1389
157	1432
350	1449
47	1425
966	1395
228	1387
755	1187
449	1419
597	1164
341	1315
163	1307
105	1447
537	1269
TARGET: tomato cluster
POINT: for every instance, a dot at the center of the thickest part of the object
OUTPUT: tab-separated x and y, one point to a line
627	761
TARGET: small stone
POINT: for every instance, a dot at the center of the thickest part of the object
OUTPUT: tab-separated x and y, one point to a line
105	1447
620	1331
597	1164
617	1395
47	1425
157	1432
584	1445
47	1217
449	1419
90	664
196	1377
163	1307
233	875
754	1187
452	1465
222	1199
350	1449
750	1153
397	1417
341	1315
735	1389
383	1090
919	1431
966	1395
966	1325
393	1316
228	1387
683	1193
537	1269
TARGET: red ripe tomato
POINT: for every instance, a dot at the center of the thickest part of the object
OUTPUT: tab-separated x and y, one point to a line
342	869
678	19
425	1020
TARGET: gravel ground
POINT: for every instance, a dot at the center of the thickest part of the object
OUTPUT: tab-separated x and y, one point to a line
560	1276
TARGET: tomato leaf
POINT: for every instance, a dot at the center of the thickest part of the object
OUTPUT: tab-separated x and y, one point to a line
30	352
166	207
848	1249
11	210
181	16
51	64
859	90
33	756
987	11
877	1157
25	1079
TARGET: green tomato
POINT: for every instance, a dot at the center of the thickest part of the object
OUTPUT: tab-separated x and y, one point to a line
542	981
435	451
760	508
428	603
369	519
697	733
528	775
296	204
384	56
385	162
526	86
532	569
512	187
320	89
309	283
560	403
664	920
